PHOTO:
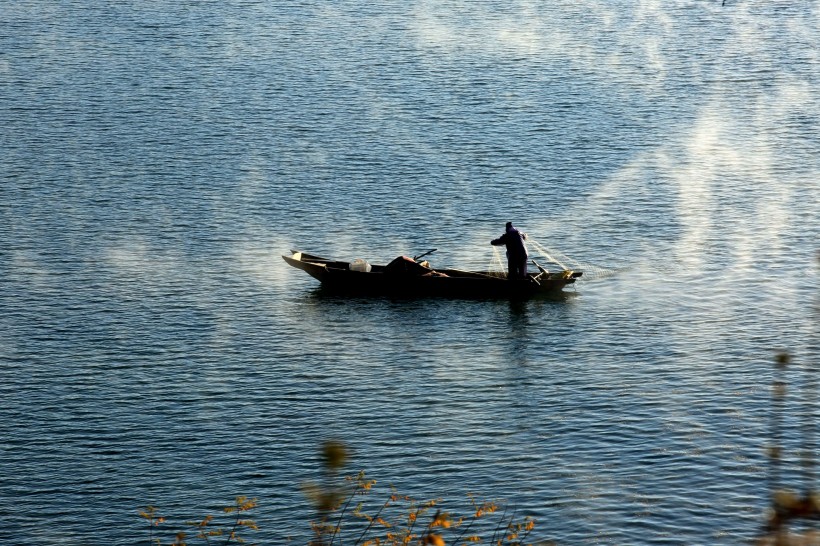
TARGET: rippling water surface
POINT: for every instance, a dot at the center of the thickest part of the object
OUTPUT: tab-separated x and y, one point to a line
158	157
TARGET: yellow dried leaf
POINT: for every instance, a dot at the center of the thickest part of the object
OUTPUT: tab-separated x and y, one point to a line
435	540
441	520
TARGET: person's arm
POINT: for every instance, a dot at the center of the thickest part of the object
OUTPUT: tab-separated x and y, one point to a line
500	241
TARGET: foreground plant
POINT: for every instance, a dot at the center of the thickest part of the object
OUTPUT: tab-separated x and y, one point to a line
205	529
401	520
789	509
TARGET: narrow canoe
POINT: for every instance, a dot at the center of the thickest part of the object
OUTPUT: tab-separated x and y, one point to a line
408	277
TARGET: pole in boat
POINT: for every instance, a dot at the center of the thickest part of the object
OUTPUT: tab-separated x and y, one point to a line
541	269
420	256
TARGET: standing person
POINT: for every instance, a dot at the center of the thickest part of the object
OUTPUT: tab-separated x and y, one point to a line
516	251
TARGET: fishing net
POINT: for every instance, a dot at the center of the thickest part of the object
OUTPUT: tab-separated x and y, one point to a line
546	256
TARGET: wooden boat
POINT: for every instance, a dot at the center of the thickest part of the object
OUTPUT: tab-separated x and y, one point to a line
411	277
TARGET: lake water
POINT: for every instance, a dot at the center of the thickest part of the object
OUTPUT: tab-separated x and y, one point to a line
158	158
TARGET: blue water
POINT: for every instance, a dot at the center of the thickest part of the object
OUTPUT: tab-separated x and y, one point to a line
158	158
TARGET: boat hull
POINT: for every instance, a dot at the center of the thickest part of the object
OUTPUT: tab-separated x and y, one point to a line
338	277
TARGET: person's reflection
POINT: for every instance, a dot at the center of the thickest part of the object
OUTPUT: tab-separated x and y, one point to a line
519	331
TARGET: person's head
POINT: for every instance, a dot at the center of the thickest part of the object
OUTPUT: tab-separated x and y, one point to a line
509	226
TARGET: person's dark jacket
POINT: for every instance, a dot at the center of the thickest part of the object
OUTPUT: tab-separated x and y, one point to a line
514	240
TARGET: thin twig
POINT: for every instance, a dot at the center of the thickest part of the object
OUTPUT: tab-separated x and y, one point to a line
341	515
464	532
526	534
370	524
469	525
775	423
500	522
235	525
809	427
413	524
